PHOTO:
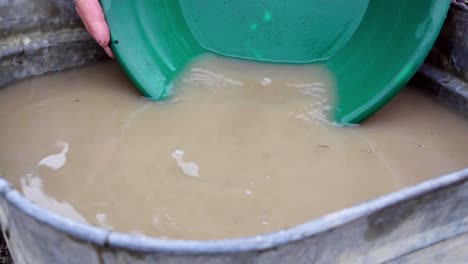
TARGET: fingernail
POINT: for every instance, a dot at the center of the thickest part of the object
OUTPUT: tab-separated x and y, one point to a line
109	52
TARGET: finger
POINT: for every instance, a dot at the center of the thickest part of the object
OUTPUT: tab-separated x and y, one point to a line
93	18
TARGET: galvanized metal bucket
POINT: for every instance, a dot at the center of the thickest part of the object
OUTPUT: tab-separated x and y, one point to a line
416	224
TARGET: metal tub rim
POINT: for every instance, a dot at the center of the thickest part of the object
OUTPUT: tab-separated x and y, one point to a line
145	244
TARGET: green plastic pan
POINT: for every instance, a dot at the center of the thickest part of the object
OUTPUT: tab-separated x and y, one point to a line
372	46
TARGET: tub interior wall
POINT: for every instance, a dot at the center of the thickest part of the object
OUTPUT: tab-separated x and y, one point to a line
40	36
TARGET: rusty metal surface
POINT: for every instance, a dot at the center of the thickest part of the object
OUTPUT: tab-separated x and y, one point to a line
446	87
40	36
450	52
452	251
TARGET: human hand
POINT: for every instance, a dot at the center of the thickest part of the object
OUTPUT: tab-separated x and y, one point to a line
92	16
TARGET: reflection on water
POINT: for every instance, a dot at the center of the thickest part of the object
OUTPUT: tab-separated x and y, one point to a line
32	188
102	220
208	78
55	161
317	111
320	109
189	168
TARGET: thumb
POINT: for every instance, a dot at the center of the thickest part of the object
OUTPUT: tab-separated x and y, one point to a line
91	13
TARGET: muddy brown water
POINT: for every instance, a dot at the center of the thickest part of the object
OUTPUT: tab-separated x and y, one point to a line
240	149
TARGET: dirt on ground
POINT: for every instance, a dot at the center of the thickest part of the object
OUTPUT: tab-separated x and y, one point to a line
5	257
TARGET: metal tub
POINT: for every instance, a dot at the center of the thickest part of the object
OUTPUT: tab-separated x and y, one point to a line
418	224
